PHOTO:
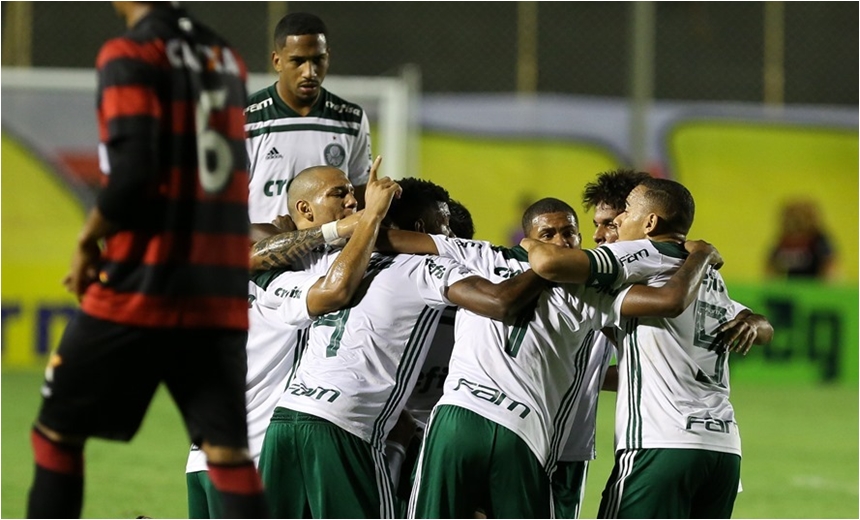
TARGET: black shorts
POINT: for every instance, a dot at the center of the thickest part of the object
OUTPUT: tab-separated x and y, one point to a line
103	376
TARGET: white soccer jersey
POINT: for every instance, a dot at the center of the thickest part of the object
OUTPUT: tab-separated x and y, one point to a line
362	362
430	385
580	441
673	392
527	374
281	143
272	349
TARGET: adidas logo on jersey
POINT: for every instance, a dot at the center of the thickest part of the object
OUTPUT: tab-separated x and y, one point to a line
274	154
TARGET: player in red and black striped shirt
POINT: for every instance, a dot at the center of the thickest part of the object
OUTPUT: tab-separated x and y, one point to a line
165	297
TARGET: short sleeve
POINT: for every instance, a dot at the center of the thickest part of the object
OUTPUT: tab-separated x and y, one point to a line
288	293
361	154
435	275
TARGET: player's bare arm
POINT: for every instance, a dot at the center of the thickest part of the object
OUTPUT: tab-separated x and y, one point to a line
86	258
741	333
499	301
670	300
557	264
336	289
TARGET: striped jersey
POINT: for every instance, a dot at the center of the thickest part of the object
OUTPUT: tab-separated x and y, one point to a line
273	348
530	373
362	362
673	391
429	387
170	98
281	143
583	424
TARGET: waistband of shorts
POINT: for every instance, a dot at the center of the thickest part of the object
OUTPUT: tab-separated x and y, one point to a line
287	415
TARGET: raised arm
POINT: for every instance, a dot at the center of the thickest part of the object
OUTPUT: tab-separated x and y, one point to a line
406	242
679	292
287	249
499	301
336	289
557	264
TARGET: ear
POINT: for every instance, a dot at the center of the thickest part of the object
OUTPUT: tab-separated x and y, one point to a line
651	223
419	226
304	209
276	61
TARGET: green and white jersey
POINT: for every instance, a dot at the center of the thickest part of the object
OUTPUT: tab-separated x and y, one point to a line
272	349
526	374
362	362
673	391
281	143
580	441
430	385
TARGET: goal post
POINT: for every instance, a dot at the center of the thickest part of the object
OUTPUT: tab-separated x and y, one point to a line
390	102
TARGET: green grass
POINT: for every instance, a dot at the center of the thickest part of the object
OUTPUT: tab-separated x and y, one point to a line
800	455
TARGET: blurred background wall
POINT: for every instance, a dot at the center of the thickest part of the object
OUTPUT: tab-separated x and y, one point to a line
750	104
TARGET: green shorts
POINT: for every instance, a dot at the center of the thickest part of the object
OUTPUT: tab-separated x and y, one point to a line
312	468
203	499
671	483
568	488
469	463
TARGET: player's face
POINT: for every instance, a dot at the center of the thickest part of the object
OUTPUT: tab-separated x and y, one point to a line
558	228
437	222
302	65
632	222
335	198
605	230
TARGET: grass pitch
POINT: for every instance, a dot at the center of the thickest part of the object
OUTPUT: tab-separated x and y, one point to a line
800	455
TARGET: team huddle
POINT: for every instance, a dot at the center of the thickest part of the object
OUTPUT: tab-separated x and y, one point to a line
396	367
353	426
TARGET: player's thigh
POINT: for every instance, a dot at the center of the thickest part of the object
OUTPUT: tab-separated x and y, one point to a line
281	468
717	491
206	376
519	486
100	380
649	483
345	477
454	464
203	499
568	488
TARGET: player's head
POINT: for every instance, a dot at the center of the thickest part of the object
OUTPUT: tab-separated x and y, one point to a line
657	207
460	222
423	206
608	196
552	221
300	57
318	195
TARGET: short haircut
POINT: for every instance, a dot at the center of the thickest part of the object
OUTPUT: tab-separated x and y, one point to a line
461	222
611	188
419	198
544	206
297	24
673	201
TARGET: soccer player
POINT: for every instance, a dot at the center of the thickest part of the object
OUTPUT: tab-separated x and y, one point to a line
677	446
511	385
165	299
606	196
323	452
296	123
274	346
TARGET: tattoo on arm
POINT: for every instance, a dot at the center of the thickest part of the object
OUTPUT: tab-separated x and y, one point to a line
285	249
